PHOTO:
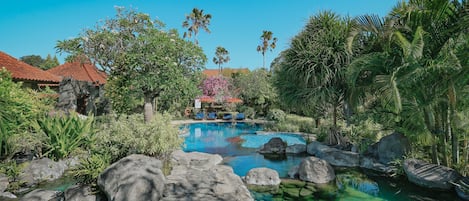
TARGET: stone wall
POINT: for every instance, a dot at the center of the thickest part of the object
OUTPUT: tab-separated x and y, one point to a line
82	97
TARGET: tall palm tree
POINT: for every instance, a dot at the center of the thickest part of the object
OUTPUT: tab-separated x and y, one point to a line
311	77
265	45
194	21
221	57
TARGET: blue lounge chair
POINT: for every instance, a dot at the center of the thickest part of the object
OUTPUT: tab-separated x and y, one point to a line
199	116
240	116
227	117
212	115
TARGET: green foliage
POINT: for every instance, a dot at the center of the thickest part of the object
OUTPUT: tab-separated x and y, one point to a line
257	91
18	109
143	60
90	168
310	77
38	61
276	115
294	123
249	112
365	133
124	135
65	134
11	169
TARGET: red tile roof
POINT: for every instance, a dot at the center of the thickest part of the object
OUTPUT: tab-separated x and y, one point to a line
23	71
80	70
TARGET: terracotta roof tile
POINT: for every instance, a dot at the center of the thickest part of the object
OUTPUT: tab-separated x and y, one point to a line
23	71
82	71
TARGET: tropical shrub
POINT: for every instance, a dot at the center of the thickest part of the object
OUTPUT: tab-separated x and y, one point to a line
276	115
64	134
248	111
90	168
257	91
128	134
18	109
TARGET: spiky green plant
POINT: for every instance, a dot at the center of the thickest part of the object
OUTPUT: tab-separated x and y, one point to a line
64	134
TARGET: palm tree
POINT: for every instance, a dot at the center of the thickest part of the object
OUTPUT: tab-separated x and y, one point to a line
266	44
418	83
221	57
311	76
197	19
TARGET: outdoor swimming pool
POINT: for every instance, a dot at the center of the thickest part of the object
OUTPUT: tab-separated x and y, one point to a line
238	144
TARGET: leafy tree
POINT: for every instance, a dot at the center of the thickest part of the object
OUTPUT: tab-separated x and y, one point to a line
33	60
257	91
221	57
312	75
38	61
137	51
194	21
265	45
49	62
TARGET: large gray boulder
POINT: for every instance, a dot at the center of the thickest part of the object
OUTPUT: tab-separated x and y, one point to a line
198	176
430	175
3	182
296	149
41	195
135	177
262	177
41	170
373	164
275	146
316	170
195	159
333	156
392	147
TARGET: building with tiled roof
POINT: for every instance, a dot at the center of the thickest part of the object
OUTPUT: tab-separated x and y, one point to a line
30	76
81	70
227	72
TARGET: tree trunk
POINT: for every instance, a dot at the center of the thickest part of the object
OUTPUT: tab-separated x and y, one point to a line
452	114
148	109
317	121
263	61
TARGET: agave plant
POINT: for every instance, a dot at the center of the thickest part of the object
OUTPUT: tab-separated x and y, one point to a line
64	134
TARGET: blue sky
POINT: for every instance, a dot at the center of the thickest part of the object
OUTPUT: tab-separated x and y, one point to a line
34	27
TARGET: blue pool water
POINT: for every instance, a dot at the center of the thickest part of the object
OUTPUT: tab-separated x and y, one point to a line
238	145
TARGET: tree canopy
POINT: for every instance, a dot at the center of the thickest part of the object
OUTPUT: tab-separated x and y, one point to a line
138	54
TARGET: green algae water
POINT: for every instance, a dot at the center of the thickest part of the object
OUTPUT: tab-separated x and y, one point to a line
238	144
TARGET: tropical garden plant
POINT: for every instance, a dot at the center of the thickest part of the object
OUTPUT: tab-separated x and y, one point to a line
221	57
311	76
63	135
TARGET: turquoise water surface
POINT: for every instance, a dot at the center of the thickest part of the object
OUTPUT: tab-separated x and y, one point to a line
238	145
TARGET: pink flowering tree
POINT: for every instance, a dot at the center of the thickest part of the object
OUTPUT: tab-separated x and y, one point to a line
218	87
